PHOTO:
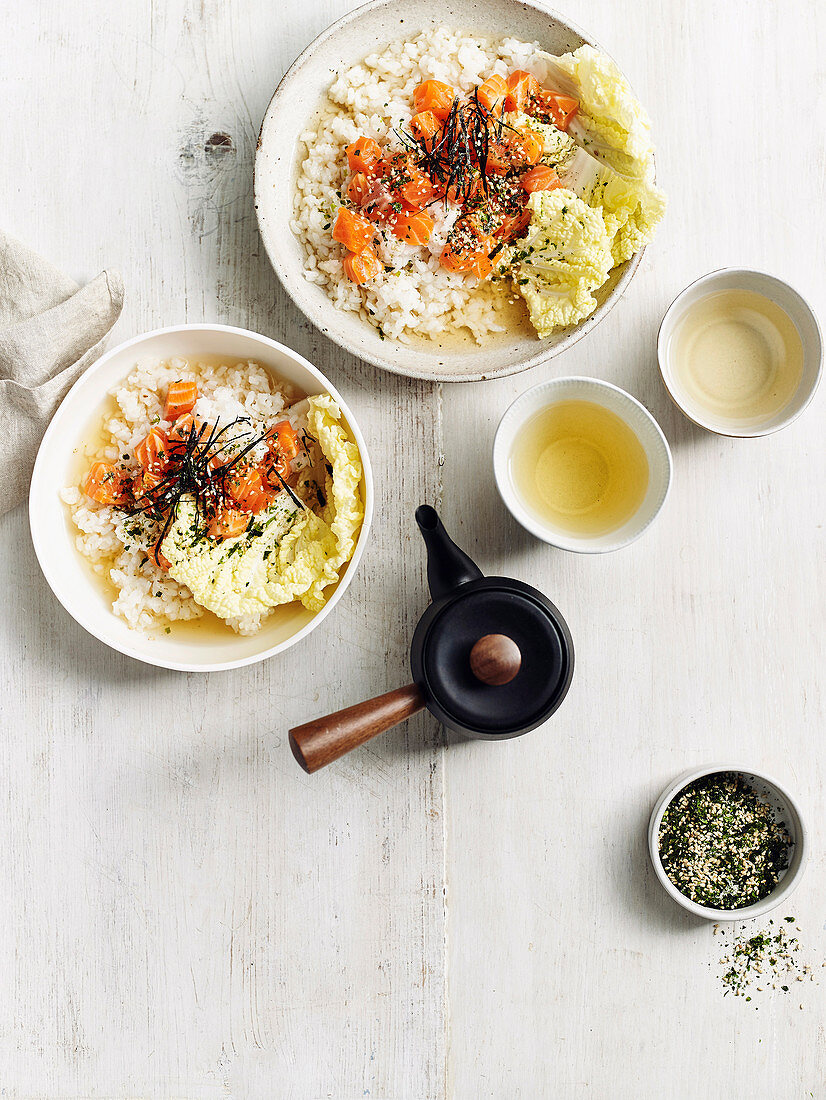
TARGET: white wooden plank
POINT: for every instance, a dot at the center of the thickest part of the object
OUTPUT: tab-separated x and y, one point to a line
188	913
571	973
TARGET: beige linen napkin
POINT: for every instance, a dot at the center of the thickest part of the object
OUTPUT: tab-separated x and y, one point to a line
50	331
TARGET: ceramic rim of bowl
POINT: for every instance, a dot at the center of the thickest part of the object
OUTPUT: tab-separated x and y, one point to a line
784	888
316	316
503	447
672	316
54	428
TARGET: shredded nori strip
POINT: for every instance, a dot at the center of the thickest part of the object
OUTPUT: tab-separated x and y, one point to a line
194	469
463	147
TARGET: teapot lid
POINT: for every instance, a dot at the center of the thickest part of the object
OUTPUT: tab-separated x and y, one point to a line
494	658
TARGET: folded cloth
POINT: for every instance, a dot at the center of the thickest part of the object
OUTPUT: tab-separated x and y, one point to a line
51	330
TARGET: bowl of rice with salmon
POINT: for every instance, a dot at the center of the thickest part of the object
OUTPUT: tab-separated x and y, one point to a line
201	498
465	191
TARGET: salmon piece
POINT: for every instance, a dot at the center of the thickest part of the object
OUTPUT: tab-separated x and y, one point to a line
404	180
468	263
378	204
359	189
528	148
499	160
522	87
180	431
228	523
180	399
283	438
413	226
478	264
425	126
514	225
352	230
144	483
284	445
468	248
491	95
418	191
362	266
540	178
106	484
452	260
249	489
151	452
481	266
519	151
476	226
435	96
561	108
363	155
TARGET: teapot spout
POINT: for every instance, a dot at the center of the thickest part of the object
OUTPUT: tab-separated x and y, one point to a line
447	565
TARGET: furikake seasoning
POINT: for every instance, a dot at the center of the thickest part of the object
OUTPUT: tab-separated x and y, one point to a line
720	844
761	961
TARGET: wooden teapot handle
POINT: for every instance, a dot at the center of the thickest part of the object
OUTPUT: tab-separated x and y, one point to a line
323	740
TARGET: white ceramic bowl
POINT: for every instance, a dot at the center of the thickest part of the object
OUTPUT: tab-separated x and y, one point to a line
794	304
785	809
635	415
80	590
298	97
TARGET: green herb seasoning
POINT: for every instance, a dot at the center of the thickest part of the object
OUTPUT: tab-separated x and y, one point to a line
720	844
761	961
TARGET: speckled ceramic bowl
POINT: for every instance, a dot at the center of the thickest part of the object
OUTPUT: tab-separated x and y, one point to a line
785	809
296	99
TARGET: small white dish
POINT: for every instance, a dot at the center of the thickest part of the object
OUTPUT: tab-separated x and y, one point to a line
297	99
789	300
785	810
70	577
638	419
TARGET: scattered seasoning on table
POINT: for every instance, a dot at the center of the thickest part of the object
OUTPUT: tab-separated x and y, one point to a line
720	844
761	961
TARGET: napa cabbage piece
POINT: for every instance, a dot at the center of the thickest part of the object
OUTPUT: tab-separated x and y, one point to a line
564	257
607	160
614	164
611	123
289	551
632	211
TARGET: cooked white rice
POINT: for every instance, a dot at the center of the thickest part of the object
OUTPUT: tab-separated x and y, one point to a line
372	98
118	546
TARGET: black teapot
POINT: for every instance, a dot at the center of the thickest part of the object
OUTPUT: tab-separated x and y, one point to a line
491	658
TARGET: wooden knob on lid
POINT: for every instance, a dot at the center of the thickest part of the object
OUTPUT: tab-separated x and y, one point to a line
495	659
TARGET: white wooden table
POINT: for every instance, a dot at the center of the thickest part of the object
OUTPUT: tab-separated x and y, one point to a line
186	914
